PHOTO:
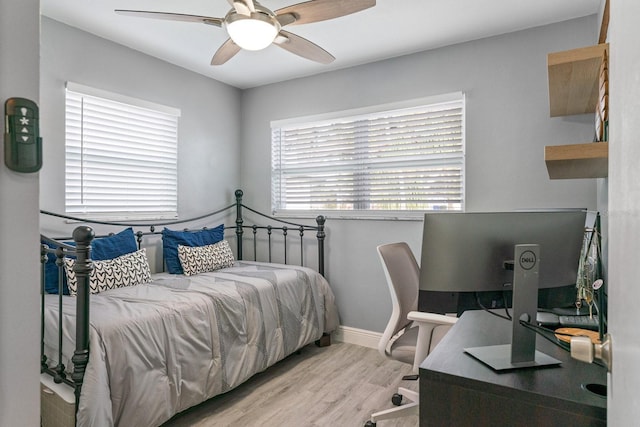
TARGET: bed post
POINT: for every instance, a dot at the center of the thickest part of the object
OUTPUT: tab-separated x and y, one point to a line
82	235
239	221
320	235
325	340
43	260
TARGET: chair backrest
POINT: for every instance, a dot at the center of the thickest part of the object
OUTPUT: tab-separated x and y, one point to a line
403	277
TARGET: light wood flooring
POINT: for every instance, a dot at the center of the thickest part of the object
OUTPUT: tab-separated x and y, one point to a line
340	385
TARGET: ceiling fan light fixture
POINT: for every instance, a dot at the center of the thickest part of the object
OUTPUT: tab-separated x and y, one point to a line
252	32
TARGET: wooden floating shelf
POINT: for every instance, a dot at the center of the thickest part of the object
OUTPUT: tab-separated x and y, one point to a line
590	160
573	80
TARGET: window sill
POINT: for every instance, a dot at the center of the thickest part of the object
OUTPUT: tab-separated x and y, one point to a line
348	215
78	218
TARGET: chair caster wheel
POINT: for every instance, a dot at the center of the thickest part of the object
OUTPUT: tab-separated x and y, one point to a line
369	424
396	399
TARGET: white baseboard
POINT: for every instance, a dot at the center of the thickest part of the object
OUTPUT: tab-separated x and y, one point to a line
357	336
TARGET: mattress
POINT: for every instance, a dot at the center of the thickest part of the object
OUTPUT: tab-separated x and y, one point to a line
159	348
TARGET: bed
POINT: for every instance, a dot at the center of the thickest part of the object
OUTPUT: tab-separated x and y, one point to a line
139	347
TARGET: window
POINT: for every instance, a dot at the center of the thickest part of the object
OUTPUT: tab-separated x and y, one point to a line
401	158
121	156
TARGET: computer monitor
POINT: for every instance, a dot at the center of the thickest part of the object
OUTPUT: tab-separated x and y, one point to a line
499	251
466	252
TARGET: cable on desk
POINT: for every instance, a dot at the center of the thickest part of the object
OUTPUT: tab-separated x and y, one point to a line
539	330
506	317
506	306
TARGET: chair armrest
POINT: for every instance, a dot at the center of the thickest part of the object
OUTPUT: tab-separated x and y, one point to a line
438	319
426	323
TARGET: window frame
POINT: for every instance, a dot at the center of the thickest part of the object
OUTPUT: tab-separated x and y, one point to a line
166	147
366	111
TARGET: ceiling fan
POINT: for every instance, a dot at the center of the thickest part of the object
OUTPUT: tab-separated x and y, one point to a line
252	26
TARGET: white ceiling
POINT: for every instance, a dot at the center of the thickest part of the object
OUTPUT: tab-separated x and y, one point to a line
391	28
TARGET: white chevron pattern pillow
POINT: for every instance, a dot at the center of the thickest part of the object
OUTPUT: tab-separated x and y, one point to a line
200	259
126	270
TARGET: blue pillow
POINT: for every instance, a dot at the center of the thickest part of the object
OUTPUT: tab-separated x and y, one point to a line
102	249
114	246
51	272
171	239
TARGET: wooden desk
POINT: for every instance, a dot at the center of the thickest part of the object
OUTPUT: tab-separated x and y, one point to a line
458	390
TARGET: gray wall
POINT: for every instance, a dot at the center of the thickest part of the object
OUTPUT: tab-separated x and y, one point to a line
209	127
507	126
19	254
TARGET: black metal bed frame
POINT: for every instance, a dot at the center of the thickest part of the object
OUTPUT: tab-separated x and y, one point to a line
83	236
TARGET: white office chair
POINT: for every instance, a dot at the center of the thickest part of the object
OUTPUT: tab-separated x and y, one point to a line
410	335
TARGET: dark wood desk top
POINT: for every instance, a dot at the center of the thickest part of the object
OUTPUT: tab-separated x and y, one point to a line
560	387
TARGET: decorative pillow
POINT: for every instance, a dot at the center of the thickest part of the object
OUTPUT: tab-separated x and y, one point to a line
171	239
103	248
126	270
114	246
200	259
51	279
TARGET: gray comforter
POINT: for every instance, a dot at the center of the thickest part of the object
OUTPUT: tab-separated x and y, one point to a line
160	348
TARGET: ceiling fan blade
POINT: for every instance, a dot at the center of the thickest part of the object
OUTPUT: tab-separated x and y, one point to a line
286	19
303	47
243	7
171	16
320	10
225	52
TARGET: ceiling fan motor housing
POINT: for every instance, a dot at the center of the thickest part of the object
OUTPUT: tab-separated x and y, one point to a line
254	31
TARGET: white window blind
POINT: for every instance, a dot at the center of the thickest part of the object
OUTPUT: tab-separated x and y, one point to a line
121	156
401	159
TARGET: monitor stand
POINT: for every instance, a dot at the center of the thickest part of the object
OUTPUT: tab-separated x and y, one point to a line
521	353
